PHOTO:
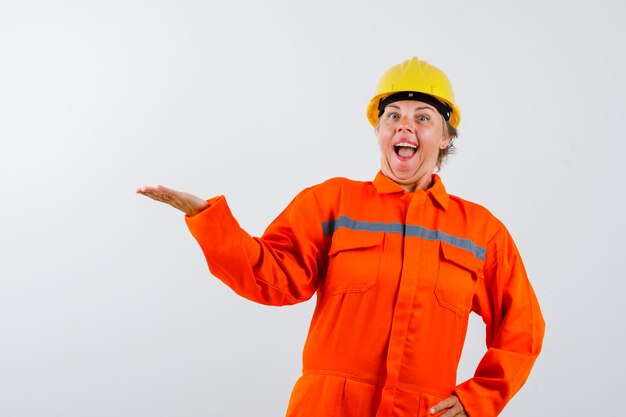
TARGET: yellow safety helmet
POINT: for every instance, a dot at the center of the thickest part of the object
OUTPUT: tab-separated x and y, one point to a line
415	80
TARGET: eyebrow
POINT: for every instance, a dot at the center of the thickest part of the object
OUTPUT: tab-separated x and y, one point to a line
417	108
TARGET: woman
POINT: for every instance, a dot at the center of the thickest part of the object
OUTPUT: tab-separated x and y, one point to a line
397	264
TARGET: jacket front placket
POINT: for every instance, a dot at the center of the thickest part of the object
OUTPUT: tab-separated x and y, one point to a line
391	403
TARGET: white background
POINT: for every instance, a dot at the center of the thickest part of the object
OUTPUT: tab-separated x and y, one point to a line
106	305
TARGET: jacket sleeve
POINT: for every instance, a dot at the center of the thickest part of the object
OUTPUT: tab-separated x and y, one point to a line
282	267
514	329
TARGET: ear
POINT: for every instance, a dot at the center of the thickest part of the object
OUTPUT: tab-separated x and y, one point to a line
445	138
444	142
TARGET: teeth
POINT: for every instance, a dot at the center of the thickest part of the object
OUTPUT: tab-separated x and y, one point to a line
406	145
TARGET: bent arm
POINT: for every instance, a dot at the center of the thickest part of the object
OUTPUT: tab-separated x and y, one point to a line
515	329
281	267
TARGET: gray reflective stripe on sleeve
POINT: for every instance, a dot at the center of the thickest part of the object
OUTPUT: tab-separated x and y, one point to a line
329	228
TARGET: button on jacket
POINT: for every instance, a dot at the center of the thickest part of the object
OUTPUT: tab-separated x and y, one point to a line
396	276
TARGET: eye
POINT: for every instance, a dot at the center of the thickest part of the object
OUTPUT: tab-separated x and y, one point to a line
422	118
393	116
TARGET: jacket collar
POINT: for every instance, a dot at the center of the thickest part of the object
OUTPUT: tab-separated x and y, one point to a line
437	192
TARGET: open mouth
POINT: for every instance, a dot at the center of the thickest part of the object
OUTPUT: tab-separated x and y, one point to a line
405	150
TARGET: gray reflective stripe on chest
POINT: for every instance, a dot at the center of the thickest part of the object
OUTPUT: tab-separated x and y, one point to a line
409	230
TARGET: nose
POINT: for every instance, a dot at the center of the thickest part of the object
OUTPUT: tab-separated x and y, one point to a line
404	125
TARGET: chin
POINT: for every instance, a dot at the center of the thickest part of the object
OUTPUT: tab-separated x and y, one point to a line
408	178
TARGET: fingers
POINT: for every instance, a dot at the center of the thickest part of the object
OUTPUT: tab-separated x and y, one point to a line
443	404
155	192
159	193
185	202
452	405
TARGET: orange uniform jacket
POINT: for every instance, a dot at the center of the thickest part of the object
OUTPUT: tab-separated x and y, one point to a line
396	276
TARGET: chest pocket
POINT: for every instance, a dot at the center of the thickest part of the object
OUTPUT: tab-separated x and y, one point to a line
353	261
459	272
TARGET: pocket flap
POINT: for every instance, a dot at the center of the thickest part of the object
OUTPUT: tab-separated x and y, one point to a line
353	240
461	257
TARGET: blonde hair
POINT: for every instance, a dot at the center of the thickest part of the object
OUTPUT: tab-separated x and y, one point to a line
452	133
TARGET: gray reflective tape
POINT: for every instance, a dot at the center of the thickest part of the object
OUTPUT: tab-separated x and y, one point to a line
329	228
357	225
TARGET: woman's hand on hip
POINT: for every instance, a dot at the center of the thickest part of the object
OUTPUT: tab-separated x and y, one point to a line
452	405
185	202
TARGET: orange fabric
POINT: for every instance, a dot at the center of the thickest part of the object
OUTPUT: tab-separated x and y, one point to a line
396	276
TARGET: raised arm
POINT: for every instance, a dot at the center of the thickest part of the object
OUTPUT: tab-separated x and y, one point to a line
284	266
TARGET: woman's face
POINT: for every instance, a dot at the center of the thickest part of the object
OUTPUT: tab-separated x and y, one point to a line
410	134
